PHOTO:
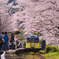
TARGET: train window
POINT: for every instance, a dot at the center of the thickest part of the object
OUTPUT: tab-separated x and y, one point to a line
28	40
36	40
32	40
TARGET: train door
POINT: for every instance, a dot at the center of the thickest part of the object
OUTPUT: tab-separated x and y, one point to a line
32	38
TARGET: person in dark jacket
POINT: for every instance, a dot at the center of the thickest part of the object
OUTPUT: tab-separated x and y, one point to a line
2	42
12	37
12	41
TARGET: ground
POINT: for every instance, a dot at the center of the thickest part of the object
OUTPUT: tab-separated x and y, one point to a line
31	55
51	55
40	55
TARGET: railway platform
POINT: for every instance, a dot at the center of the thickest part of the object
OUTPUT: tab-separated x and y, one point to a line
11	54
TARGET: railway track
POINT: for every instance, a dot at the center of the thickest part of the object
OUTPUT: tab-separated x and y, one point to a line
28	54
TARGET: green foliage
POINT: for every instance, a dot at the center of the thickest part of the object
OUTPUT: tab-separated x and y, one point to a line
51	55
15	10
20	30
20	35
52	52
50	48
37	33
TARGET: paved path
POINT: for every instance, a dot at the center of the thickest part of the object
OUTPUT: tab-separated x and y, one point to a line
10	54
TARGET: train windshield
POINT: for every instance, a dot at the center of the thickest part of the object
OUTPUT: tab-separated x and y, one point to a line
28	40
32	38
36	40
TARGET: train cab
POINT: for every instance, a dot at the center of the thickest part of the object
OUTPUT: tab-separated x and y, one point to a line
33	42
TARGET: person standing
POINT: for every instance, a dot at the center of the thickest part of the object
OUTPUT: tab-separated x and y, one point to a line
2	42
12	37
12	40
6	41
2	35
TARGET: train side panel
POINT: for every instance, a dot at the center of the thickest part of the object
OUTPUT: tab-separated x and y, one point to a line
28	45
37	46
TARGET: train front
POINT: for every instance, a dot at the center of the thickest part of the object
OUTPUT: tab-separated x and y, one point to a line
33	42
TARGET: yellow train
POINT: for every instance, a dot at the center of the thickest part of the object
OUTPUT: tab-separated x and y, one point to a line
33	42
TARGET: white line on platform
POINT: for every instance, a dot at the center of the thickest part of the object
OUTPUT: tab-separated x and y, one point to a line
3	56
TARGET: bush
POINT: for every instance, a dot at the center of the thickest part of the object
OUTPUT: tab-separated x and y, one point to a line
54	49
48	49
57	49
51	49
